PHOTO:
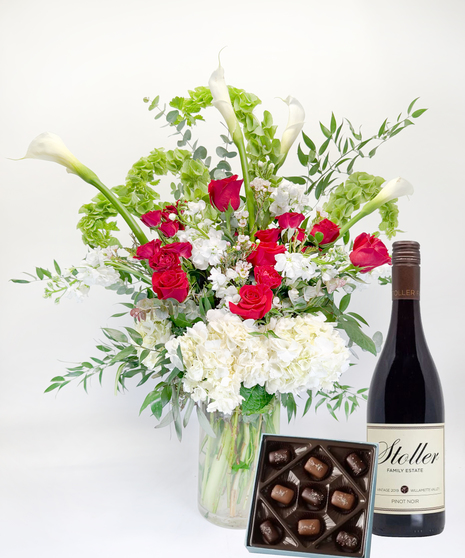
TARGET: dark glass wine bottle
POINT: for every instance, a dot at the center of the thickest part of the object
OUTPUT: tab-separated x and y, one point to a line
406	414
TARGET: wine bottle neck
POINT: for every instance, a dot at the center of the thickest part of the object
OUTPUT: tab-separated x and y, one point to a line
406	324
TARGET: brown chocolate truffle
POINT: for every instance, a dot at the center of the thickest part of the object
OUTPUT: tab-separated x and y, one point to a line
269	532
343	500
309	527
347	541
279	457
282	494
316	468
356	464
313	497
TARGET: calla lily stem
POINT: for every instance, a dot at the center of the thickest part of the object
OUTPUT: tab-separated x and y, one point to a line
138	233
250	198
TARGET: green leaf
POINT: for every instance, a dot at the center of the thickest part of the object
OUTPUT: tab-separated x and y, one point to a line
187	414
295	179
135	336
418	113
382	128
118	375
308	142
154	103
356	334
410	107
308	403
345	301
172	116
23	281
240	465
346	409
176	414
40	273
302	157
57	379
324	147
203	422
331	411
200	153
325	131
150	398
115	335
118	315
168	419
255	399
358	317
57	267
52	387
333	123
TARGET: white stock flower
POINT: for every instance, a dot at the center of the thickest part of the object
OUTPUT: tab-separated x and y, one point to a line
217	278
206	250
294	266
154	331
195	209
93	271
289	197
294	124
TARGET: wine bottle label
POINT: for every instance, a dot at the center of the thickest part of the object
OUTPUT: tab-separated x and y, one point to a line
410	476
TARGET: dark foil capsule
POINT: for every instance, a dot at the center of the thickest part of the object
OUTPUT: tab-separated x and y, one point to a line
313	497
356	464
343	500
309	527
347	541
269	532
279	457
316	468
282	494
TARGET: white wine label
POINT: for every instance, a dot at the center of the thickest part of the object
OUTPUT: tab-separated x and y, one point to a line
410	468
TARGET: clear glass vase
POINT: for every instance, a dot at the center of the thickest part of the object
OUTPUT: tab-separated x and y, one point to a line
227	464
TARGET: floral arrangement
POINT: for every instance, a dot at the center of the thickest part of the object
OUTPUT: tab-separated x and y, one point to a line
240	287
233	298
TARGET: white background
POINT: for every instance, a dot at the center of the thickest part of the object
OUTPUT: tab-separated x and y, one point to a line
83	475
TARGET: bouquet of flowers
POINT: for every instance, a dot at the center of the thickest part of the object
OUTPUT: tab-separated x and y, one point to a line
240	287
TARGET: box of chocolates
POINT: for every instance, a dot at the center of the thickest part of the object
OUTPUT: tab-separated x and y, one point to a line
313	497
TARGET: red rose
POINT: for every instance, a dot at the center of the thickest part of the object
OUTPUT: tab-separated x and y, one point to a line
152	218
183	249
171	284
256	301
267	275
162	261
290	220
329	229
146	251
169	228
265	253
269	235
224	192
369	252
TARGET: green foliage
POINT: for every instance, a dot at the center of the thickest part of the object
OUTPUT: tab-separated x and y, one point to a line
341	398
256	400
358	189
324	167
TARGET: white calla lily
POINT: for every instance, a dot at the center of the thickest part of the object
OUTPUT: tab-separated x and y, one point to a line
391	190
222	100
50	147
295	124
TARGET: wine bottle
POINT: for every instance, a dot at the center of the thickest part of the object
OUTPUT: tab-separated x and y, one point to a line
406	414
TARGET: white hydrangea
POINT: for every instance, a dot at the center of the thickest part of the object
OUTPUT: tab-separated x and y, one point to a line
195	209
207	249
308	353
217	278
220	355
289	197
